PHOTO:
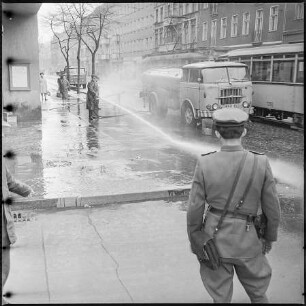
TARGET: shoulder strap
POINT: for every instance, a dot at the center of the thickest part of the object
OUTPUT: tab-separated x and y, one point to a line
231	193
240	203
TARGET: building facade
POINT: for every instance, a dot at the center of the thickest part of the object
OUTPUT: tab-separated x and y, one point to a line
187	30
20	59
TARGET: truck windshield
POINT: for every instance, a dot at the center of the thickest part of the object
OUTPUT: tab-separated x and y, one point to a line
75	71
221	74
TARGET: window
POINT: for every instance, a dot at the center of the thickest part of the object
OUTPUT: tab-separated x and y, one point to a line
161	14
194	75
214	8
161	40
205	31
156	15
186	32
168	10
213	33
205	6
193	31
185	75
258	25
223	28
181	9
156	38
299	11
246	23
195	7
283	71
300	71
175	8
261	71
273	20
234	26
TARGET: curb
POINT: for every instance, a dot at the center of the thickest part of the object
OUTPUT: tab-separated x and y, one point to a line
78	201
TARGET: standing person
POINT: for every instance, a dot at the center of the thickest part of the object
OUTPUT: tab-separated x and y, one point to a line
64	86
92	99
43	87
9	184
236	239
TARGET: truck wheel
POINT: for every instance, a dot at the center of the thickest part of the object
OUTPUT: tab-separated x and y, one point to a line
188	117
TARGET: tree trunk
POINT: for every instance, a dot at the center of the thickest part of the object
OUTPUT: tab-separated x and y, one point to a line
93	63
68	70
79	60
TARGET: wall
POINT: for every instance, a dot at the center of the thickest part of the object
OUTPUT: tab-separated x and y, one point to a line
20	43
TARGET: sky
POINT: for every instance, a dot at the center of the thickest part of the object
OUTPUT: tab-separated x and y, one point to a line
44	31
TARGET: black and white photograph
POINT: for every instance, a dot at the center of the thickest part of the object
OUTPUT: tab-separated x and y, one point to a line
152	152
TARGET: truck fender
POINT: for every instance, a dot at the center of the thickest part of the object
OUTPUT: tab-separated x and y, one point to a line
188	102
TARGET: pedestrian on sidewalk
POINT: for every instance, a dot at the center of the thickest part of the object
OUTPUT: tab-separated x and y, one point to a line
92	98
216	180
64	86
43	87
9	184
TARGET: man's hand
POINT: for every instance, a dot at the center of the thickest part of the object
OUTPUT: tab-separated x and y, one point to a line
266	246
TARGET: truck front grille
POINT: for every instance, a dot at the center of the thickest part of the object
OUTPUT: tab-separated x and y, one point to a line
230	96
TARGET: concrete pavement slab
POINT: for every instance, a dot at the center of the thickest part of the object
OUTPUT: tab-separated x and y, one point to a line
129	253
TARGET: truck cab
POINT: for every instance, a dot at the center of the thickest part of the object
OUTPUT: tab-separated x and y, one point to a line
208	86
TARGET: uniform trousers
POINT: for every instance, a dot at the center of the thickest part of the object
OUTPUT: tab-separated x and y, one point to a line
253	273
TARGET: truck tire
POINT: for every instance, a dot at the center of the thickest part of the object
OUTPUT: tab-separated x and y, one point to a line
188	116
155	108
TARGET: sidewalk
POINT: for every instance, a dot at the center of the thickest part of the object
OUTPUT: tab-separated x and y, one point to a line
131	253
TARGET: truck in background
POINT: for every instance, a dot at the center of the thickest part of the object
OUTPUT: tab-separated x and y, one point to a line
73	76
197	90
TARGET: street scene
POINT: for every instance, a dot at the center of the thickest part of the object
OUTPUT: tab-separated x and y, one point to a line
105	126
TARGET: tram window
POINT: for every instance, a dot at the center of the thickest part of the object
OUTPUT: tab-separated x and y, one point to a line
261	71
278	56
300	72
290	55
283	71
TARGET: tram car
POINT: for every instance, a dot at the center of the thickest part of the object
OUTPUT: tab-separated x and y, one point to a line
277	74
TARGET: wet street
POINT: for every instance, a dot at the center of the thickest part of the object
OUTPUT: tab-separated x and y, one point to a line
127	151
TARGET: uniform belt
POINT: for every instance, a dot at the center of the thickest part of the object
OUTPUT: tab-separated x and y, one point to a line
232	214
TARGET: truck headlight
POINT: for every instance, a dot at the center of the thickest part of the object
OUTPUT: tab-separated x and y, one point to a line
215	106
245	104
208	106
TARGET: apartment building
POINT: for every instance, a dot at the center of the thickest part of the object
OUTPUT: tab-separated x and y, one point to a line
192	31
130	38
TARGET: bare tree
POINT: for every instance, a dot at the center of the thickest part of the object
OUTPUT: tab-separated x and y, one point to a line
63	31
96	24
78	13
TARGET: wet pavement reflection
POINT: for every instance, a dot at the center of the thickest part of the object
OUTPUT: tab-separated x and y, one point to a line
66	155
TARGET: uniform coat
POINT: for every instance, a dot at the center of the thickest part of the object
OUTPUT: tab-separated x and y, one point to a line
212	183
9	184
92	99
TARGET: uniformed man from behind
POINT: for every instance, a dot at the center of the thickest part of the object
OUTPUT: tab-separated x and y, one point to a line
237	242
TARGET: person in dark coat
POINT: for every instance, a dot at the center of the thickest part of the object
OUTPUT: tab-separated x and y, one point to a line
92	98
240	249
9	184
64	86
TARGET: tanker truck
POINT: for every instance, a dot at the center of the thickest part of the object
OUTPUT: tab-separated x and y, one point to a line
197	90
